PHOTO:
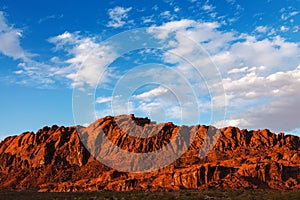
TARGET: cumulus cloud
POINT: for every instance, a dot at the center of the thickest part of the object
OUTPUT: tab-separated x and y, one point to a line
118	16
88	58
260	76
279	112
277	84
230	50
274	53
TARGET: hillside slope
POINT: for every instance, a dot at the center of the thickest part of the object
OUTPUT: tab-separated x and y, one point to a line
55	159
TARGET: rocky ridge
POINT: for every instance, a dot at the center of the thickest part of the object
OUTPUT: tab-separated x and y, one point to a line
56	159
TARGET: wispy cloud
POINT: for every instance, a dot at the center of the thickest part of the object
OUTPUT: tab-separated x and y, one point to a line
81	67
167	15
261	29
238	70
88	58
208	7
50	17
30	71
118	16
103	99
10	41
287	14
152	93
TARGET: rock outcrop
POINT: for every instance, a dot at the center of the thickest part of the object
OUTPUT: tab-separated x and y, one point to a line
66	158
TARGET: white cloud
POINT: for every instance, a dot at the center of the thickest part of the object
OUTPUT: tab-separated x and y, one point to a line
118	16
40	74
155	7
287	15
279	113
296	29
238	70
208	7
259	74
176	9
205	33
167	15
85	64
10	41
280	83
152	93
284	28
103	99
232	122
275	53
231	50
49	17
148	19
261	29
253	68
88	58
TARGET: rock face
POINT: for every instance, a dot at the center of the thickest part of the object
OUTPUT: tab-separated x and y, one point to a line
56	159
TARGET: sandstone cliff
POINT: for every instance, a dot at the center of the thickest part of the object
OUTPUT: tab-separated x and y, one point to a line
56	159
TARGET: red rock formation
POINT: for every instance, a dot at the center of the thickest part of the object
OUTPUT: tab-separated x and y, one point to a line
55	159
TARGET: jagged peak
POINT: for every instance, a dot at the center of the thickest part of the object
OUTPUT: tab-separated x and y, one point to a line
255	158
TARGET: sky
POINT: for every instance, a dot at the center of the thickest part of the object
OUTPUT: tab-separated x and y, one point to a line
221	62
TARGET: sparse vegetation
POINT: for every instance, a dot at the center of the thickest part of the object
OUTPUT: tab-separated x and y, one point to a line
187	194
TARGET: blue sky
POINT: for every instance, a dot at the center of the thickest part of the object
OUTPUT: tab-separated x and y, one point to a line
254	45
